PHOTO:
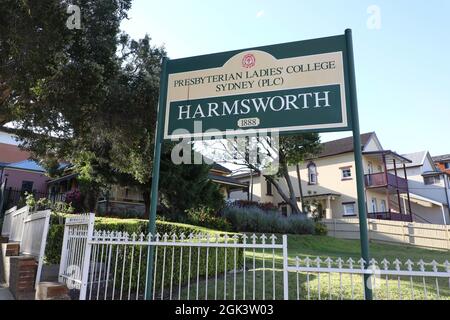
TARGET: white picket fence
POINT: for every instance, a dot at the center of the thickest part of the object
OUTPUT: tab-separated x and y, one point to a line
7	218
340	279
107	265
17	223
30	230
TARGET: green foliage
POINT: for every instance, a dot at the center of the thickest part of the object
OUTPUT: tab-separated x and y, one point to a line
56	231
85	93
206	217
253	219
54	243
44	204
320	229
188	186
265	206
29	200
197	257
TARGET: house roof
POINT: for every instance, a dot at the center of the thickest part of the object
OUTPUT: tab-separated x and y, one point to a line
10	153
389	156
29	165
344	145
227	181
444	157
246	175
417	158
218	167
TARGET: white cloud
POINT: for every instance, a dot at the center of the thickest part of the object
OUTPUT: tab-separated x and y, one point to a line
260	13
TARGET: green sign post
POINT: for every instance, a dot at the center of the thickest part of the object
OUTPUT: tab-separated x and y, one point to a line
306	86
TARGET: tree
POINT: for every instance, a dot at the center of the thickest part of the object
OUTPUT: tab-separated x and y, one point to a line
85	96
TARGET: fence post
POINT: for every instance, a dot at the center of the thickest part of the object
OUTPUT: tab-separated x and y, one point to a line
87	258
448	236
42	248
334	228
285	269
63	260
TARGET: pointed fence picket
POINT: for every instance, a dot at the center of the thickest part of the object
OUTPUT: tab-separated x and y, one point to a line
394	280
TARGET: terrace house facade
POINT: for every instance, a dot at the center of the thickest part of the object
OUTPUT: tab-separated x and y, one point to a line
329	185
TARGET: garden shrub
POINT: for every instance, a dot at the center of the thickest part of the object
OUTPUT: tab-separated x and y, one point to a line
265	206
321	229
206	217
254	219
56	231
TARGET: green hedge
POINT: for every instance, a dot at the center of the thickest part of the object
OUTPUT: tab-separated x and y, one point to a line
56	232
175	280
254	219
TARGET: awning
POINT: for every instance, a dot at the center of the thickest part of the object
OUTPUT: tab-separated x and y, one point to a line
65	178
424	201
322	196
229	181
389	155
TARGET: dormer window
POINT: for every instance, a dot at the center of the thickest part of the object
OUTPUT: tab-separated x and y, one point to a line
312	173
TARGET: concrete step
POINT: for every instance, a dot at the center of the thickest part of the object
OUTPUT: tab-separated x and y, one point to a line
52	291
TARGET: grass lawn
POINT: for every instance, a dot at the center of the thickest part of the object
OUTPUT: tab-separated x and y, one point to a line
263	274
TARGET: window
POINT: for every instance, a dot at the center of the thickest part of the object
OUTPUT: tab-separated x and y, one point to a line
284	210
447	166
27	186
312	173
431	180
349	208
374	205
268	188
383	206
370	167
346	173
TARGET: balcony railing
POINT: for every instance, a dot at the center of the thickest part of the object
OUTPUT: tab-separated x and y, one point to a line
384	180
393	216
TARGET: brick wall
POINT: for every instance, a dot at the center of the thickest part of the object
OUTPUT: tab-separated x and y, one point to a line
22	276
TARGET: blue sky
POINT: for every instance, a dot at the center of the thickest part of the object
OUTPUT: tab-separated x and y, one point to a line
402	68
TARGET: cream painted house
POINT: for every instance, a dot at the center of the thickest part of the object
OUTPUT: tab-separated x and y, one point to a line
328	182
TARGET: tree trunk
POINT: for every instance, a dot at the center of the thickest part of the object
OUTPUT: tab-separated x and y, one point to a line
292	202
300	189
292	198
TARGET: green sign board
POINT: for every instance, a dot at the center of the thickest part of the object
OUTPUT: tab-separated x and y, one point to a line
292	87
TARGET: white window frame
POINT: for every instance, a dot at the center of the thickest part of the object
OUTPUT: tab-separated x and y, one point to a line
343	177
312	173
346	206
